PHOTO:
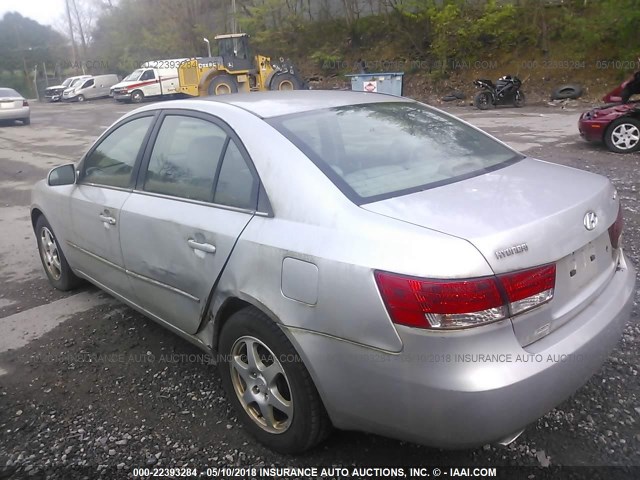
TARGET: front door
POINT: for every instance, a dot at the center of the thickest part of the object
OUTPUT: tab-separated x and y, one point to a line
196	194
106	181
89	89
149	83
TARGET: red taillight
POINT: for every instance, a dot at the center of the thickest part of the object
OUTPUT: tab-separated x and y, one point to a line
615	230
25	103
528	288
446	304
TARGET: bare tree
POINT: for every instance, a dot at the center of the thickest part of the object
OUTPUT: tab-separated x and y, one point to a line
79	22
351	11
71	35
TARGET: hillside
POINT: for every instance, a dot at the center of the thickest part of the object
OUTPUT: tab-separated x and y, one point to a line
440	45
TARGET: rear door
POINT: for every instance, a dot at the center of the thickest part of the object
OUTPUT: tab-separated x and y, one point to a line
106	180
196	193
168	80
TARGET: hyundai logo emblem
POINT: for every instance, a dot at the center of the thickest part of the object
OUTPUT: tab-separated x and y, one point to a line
590	220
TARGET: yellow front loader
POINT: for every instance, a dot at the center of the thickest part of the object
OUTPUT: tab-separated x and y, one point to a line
235	70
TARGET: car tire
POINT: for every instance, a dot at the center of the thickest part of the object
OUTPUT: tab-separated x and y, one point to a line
53	260
623	135
285	82
567	92
223	85
81	98
483	101
137	96
26	121
302	422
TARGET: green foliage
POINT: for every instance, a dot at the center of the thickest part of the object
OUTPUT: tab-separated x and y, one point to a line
16	80
139	30
327	61
612	27
497	26
447	29
272	24
25	43
333	34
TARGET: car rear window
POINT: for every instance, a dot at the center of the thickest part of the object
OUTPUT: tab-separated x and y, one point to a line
9	92
382	150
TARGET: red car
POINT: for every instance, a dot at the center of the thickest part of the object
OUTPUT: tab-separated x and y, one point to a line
616	124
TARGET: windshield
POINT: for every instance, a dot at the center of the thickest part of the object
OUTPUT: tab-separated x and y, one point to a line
135	75
382	150
76	82
67	82
9	92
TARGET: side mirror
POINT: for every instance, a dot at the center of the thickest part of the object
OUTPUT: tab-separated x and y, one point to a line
64	175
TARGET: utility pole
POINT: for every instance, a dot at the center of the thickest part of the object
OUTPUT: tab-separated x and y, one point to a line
35	81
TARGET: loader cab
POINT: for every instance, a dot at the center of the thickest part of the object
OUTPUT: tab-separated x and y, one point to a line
235	52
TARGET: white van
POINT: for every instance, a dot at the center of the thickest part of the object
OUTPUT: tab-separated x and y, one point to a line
97	86
154	78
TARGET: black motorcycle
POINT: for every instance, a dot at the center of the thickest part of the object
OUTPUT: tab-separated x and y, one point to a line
506	91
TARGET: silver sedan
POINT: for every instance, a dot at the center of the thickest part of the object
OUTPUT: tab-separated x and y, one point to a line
14	106
353	260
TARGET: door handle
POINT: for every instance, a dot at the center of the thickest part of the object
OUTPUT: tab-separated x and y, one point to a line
204	247
107	219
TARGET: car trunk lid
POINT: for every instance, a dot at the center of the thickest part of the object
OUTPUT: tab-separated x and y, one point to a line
10	102
528	214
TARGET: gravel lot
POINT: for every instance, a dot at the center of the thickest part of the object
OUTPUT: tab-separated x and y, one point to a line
95	389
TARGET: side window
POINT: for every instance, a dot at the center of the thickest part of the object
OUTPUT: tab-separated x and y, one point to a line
236	184
88	83
185	158
148	75
112	161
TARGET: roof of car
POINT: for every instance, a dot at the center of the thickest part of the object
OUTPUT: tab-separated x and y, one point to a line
274	104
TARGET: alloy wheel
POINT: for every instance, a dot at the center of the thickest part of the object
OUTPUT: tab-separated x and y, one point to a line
261	385
625	136
50	253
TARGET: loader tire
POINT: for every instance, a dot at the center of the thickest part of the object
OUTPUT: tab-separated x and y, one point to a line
223	85
285	81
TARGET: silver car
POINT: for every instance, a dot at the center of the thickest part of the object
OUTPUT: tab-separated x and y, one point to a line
14	106
353	260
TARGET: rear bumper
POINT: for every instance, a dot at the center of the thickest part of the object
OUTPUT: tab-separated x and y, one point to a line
440	391
15	113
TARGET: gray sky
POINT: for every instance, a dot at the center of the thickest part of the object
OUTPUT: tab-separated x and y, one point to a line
42	11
